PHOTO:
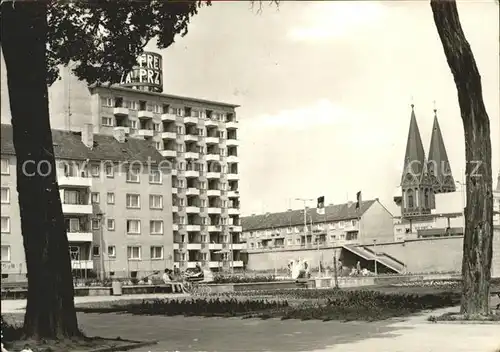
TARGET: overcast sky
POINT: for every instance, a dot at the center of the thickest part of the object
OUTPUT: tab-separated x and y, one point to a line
325	90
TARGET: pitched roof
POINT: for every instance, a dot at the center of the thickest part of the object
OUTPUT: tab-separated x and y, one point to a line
438	163
415	154
69	145
296	217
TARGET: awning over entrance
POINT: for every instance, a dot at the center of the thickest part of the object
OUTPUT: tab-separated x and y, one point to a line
381	258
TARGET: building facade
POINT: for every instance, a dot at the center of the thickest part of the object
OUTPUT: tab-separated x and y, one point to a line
342	224
115	199
199	138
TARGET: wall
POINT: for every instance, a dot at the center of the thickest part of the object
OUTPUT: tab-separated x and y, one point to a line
120	213
420	255
376	223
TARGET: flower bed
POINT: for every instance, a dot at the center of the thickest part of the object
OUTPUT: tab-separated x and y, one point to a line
307	304
241	279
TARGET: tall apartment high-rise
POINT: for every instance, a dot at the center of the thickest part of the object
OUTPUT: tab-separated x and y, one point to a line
197	136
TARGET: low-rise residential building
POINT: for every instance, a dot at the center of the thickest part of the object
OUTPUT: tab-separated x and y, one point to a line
116	200
342	224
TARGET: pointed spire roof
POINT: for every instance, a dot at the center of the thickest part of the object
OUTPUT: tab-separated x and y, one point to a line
438	164
415	155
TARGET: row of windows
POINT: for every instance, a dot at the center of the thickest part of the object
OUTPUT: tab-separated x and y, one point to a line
133	252
132	201
204	150
350	236
298	229
165	109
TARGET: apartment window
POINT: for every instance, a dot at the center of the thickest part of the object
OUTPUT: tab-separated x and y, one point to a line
289	241
5	224
111	198
95	224
5	167
156	127
181	166
133	175
221	134
155	201
107	102
95	197
133	201
222	151
5	195
5	254
71	197
107	121
111	224
158	145
203	238
182	202
155	176
94	170
202	185
133	226
181	183
201	132
156	227
156	252
180	130
182	220
180	147
354	222
179	111
288	230
95	251
112	251
133	124
134	253
203	203
72	225
110	171
157	109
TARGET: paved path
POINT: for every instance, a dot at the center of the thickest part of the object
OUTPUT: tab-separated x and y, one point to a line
414	334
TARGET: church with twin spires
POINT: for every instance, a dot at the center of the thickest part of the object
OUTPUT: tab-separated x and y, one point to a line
423	177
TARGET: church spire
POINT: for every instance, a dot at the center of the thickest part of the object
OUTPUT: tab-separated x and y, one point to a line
415	155
438	165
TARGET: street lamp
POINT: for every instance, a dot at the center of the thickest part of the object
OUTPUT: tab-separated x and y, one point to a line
100	217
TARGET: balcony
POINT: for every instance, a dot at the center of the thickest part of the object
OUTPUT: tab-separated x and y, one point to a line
168	117
212	140
192	173
232	142
190	138
233	211
213	193
174	190
125	129
144	114
175	209
215	246
82	264
169	135
233	194
191	191
77	208
232	177
235	228
214	228
231	125
74	181
80	236
194	246
237	263
212	157
213	210
191	155
213	175
176	246
175	227
168	153
192	210
120	111
232	158
145	133
191	120
211	123
238	246
193	228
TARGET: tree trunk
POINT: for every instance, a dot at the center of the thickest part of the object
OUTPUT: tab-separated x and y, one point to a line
478	238
50	311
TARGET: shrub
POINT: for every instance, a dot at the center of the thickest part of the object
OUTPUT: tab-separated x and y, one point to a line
237	279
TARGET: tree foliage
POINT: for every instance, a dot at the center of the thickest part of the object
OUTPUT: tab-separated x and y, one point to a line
105	37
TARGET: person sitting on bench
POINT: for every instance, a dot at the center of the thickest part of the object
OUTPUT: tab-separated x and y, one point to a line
168	278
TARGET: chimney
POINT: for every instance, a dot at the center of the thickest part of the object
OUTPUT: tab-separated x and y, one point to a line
88	135
119	134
